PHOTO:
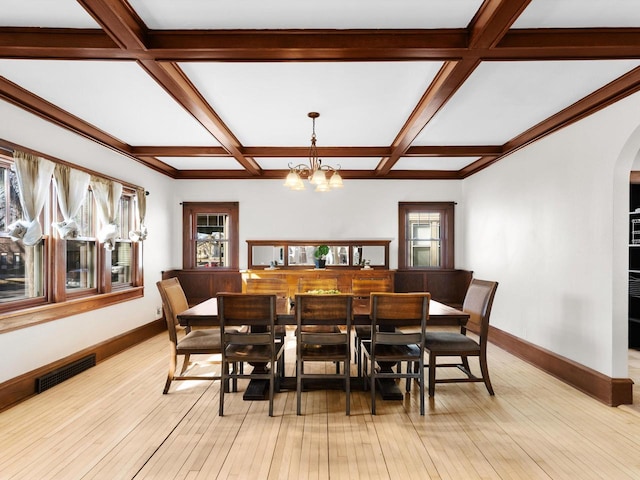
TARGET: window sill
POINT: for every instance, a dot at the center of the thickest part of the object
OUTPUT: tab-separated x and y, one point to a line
28	317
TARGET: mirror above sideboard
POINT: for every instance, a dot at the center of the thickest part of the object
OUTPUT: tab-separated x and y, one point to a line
301	253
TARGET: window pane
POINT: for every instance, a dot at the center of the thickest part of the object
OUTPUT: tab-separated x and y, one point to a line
81	264
21	270
423	237
212	233
125	217
10	208
84	217
121	263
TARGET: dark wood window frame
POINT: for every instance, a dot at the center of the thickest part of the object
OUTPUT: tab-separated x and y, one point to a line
446	210
190	211
57	302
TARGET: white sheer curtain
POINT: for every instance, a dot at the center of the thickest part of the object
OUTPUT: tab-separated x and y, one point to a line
33	174
107	194
141	200
72	188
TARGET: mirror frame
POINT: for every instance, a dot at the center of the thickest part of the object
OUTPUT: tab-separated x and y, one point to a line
285	244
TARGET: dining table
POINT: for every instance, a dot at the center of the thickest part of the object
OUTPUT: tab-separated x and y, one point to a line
205	314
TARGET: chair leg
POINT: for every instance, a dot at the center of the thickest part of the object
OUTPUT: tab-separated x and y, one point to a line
272	379
485	374
372	387
420	365
173	360
298	387
432	374
347	381
185	363
224	371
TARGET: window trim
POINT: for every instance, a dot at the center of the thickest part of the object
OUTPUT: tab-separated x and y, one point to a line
190	211
447	237
57	302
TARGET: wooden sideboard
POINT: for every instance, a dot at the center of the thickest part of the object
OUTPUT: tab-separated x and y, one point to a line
343	275
445	286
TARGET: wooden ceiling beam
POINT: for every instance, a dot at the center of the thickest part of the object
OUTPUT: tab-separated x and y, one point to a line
601	98
493	20
321	45
450	77
172	79
119	21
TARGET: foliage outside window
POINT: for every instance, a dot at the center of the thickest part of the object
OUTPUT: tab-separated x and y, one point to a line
426	235
210	235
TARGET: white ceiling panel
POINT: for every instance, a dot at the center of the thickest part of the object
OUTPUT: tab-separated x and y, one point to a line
266	104
433	163
117	97
45	13
350	163
202	163
502	99
580	14
281	14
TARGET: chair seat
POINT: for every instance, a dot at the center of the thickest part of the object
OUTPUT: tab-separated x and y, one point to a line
451	342
245	353
363	331
320	329
324	352
200	341
393	353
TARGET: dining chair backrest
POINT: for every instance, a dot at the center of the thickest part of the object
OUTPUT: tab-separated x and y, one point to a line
174	302
392	310
363	287
477	303
239	309
332	309
311	284
276	286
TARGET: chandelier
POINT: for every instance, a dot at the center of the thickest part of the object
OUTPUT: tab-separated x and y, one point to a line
315	172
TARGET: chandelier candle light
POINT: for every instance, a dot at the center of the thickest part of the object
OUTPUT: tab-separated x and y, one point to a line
316	172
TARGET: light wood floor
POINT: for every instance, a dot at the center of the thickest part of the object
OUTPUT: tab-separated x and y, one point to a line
112	422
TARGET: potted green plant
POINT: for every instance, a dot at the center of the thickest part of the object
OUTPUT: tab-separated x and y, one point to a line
321	255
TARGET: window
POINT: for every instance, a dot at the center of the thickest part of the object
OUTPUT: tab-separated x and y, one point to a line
210	235
22	268
426	235
56	269
82	250
121	255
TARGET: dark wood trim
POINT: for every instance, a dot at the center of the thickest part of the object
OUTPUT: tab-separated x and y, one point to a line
611	391
27	317
22	387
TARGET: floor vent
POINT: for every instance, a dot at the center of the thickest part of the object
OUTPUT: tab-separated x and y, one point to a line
61	374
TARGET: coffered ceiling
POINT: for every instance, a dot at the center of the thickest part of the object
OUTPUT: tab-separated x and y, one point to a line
405	88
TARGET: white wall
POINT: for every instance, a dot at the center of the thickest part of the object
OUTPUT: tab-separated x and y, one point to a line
33	347
363	209
550	223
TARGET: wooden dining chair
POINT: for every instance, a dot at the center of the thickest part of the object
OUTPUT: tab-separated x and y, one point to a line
280	288
390	346
361	289
194	342
477	303
316	345
258	345
323	284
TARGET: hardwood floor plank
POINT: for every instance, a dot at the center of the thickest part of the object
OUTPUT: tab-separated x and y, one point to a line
112	422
